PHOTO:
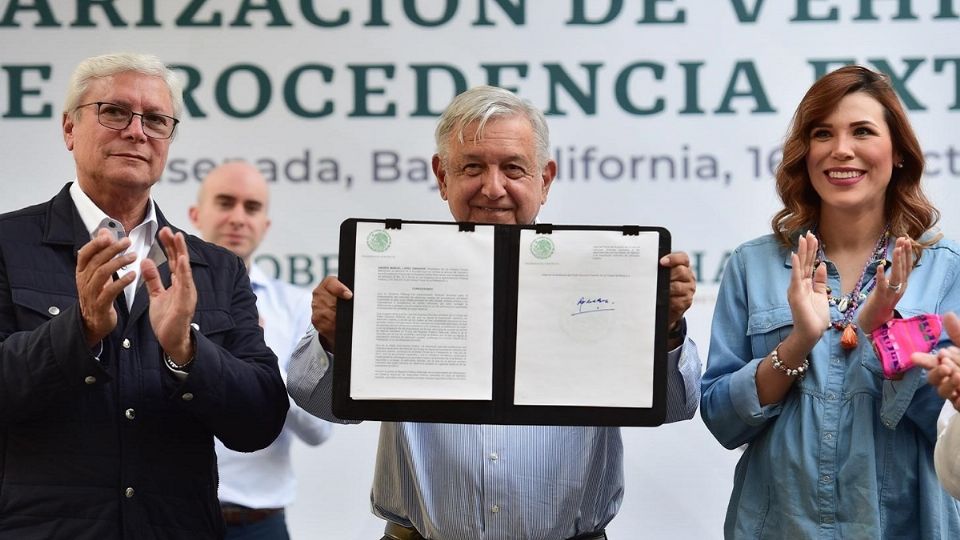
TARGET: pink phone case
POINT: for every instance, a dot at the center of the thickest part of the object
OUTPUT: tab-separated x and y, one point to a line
897	339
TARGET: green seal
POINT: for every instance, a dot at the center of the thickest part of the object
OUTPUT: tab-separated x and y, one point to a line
541	247
378	241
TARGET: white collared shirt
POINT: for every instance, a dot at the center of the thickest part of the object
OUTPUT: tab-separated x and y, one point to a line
265	478
141	237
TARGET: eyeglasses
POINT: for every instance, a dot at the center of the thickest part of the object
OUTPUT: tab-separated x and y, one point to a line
118	117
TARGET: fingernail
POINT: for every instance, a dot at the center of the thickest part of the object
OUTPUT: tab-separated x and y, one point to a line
665	259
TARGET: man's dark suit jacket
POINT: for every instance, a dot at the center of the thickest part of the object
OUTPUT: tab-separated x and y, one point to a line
119	447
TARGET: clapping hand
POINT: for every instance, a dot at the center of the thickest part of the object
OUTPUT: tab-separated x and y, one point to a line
172	309
807	292
98	261
879	306
944	366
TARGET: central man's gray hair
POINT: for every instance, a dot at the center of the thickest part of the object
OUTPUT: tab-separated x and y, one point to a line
479	105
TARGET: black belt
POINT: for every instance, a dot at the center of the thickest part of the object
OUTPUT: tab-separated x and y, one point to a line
399	532
235	515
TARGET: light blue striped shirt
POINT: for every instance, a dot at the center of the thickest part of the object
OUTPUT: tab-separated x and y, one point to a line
489	482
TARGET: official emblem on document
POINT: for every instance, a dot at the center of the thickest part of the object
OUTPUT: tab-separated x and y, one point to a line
541	247
378	241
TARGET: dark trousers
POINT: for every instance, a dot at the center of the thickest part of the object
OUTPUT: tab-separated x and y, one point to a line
271	528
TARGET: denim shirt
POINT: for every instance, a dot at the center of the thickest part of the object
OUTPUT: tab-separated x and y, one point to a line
846	453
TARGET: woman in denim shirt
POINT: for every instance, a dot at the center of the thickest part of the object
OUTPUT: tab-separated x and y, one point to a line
834	450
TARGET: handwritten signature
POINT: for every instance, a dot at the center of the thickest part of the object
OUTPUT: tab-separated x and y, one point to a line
593	305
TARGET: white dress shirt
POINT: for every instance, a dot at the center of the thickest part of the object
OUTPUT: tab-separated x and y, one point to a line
141	237
265	478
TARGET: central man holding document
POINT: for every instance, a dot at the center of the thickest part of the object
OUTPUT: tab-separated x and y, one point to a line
499	482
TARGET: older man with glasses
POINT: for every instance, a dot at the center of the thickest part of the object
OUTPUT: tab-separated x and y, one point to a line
125	346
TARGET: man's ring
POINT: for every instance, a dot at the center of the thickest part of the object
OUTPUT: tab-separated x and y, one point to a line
895	288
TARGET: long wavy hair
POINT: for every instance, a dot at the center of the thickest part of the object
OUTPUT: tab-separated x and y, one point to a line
906	208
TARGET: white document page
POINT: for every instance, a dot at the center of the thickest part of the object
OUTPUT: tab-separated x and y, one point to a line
423	313
586	313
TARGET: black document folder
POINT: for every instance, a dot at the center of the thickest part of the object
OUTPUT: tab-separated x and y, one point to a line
501	405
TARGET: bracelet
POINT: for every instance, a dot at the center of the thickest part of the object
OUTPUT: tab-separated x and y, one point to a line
799	372
173	365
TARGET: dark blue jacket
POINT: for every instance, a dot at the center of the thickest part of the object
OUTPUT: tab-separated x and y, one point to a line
119	448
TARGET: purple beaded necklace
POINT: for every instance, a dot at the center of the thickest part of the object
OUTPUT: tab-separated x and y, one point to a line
848	304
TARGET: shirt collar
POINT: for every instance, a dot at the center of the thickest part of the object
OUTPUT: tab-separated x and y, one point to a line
258	278
94	218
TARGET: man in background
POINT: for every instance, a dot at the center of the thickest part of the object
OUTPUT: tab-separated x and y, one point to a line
232	211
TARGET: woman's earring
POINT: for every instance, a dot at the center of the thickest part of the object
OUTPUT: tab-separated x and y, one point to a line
899	165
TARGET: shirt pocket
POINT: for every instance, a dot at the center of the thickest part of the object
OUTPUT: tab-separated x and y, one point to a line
33	307
214	324
870	361
767	328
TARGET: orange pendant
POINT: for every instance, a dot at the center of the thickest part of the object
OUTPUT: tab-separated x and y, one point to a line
848	340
